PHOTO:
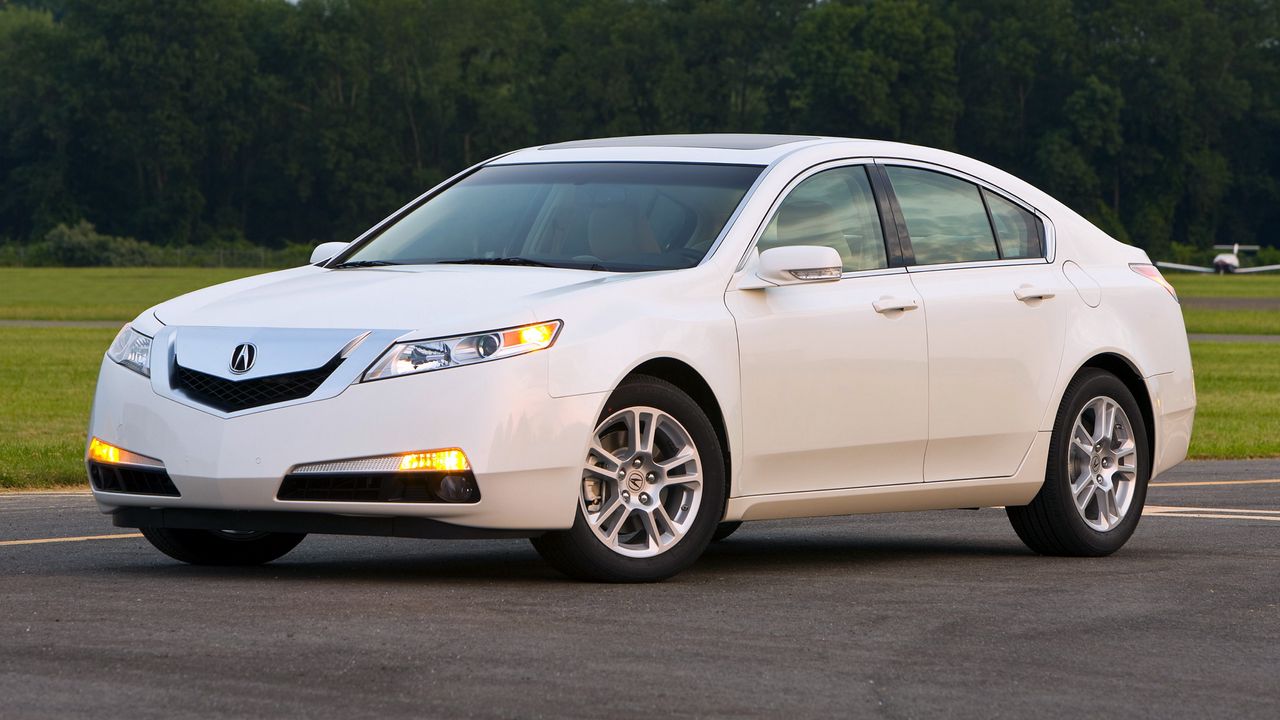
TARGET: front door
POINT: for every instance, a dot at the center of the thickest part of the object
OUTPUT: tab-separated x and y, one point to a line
834	374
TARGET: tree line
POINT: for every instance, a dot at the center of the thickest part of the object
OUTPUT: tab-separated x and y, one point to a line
181	122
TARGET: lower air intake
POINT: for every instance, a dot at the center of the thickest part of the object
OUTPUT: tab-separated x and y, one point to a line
410	487
132	480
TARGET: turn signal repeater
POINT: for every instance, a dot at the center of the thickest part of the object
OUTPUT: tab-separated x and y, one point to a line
827	273
108	454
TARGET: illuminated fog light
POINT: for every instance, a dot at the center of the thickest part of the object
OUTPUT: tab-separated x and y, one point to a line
108	454
451	460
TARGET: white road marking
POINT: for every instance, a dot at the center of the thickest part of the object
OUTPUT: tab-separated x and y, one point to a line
82	538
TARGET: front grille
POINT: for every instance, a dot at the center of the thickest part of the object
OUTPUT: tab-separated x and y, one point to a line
131	480
233	395
421	487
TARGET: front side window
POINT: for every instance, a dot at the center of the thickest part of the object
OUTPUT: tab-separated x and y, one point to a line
945	217
601	216
835	208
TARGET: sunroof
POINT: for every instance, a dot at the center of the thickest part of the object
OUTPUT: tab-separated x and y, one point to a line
722	141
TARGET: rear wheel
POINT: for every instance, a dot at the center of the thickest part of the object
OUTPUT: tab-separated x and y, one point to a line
1096	480
652	489
221	547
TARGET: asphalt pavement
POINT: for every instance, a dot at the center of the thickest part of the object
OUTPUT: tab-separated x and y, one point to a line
941	614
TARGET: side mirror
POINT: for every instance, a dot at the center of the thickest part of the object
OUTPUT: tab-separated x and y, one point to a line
793	265
324	251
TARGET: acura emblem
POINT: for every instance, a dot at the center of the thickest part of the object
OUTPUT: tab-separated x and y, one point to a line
242	358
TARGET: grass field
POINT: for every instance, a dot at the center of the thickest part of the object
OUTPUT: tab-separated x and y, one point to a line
1234	321
1231	322
99	293
1225	286
47	374
1238	394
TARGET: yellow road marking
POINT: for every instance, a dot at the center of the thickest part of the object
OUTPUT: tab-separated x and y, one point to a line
1214	482
10	494
1214	516
1211	513
1184	508
82	538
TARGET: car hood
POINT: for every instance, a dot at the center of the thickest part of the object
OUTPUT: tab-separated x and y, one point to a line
443	298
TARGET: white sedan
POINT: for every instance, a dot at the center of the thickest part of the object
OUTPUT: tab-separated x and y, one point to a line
624	348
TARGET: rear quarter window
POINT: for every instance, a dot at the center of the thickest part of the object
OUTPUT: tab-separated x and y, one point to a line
1019	232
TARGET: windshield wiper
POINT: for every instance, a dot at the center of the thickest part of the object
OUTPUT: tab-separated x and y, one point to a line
496	261
362	263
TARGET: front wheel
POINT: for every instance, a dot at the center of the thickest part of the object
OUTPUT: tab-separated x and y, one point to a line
221	547
1096	480
725	529
652	490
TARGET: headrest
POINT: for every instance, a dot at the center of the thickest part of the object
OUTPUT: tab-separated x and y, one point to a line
805	221
615	231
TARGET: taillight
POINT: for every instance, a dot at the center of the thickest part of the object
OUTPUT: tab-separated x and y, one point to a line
1152	273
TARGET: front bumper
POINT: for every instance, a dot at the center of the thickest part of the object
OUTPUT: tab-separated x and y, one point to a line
306	523
525	447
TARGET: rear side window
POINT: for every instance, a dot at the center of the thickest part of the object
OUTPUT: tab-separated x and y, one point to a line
945	217
835	208
1017	230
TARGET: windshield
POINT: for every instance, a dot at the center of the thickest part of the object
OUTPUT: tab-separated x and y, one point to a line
598	216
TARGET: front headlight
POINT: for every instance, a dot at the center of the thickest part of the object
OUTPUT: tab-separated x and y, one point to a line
131	349
419	356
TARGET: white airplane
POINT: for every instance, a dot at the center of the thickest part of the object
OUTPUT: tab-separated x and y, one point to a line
1227	263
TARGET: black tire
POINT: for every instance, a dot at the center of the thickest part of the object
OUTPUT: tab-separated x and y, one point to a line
1051	524
211	547
724	530
577	552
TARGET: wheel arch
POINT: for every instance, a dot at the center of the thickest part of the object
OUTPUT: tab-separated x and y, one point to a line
693	384
1124	369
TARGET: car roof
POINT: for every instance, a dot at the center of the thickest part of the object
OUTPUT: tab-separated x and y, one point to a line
735	148
766	150
720	141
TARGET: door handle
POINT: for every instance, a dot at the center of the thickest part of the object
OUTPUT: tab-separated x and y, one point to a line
1027	292
889	304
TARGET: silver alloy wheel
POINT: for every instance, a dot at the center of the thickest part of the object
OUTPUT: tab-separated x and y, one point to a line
1102	463
641	482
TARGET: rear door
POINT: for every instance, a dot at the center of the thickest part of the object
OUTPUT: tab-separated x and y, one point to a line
834	374
995	310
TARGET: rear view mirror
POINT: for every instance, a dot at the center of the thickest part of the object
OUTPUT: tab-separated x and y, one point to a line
793	265
324	251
